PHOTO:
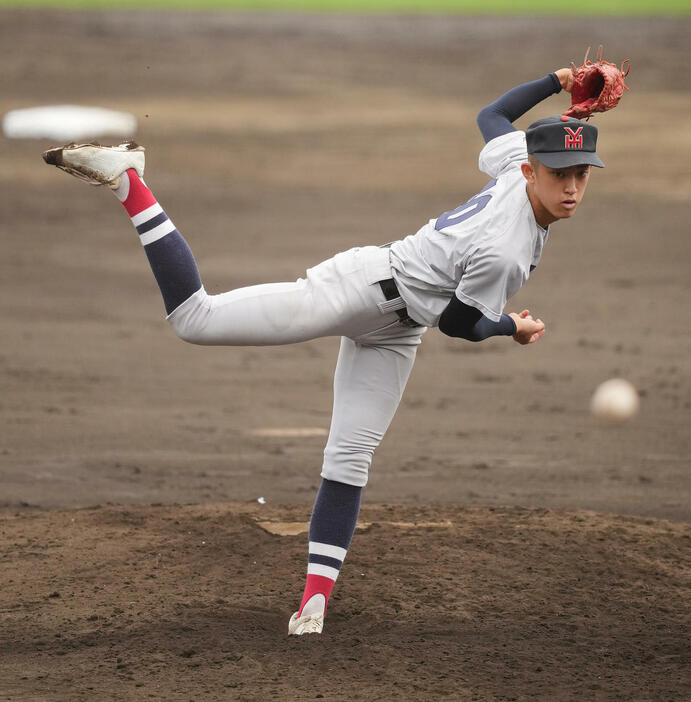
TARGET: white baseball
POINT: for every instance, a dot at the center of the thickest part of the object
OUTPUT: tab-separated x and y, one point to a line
615	400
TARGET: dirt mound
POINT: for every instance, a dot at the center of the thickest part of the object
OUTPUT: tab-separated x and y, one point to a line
433	603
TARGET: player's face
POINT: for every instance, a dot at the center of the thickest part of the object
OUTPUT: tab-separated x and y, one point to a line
557	192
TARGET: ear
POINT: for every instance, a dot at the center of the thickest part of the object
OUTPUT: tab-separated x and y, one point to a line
528	171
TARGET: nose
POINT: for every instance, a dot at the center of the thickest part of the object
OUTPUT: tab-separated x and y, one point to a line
570	186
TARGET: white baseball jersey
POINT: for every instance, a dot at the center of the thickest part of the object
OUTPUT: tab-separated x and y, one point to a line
483	250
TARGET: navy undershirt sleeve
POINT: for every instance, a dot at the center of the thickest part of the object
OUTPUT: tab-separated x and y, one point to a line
465	322
495	119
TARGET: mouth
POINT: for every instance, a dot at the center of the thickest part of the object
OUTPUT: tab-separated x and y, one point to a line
568	204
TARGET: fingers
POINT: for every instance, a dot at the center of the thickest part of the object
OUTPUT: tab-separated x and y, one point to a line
536	336
531	330
531	335
533	325
539	331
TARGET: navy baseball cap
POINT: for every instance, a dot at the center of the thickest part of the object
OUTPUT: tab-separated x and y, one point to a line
560	142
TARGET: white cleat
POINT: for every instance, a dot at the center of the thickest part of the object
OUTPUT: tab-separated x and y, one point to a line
307	624
96	164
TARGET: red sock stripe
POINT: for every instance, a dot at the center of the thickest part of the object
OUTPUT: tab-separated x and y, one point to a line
139	197
317	585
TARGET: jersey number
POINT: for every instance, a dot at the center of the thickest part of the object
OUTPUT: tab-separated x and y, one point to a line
466	210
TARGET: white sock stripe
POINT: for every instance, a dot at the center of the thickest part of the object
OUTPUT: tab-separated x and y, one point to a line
157	233
319	569
147	214
327	550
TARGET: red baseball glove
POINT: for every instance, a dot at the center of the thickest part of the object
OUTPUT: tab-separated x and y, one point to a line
597	87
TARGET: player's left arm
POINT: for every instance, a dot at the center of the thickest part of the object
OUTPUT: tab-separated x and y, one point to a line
465	322
496	119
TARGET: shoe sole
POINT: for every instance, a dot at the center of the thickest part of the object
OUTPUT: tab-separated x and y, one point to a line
55	157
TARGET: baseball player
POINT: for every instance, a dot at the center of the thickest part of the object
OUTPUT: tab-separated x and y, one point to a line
457	272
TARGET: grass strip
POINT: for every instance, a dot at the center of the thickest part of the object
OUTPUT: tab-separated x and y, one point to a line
495	7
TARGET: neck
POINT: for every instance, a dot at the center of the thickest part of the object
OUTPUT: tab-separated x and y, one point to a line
542	216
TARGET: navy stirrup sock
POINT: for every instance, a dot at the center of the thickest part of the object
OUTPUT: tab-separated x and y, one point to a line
332	525
169	255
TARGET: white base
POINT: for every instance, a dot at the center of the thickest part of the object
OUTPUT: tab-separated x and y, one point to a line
65	123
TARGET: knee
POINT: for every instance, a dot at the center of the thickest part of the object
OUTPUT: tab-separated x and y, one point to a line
188	334
347	464
189	320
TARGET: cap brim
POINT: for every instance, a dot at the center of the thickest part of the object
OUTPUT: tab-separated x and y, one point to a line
565	159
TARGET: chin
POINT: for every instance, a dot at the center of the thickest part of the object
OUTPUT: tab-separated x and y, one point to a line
566	214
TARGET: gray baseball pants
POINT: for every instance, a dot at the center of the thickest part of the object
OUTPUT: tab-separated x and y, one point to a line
339	297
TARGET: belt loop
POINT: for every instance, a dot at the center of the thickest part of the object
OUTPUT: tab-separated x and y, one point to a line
395	303
391	305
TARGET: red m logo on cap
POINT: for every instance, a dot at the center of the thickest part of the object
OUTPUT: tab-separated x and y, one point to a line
573	139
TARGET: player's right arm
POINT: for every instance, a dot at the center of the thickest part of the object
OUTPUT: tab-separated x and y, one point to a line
466	322
496	119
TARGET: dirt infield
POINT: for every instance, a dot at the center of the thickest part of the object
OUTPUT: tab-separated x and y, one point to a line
494	562
435	603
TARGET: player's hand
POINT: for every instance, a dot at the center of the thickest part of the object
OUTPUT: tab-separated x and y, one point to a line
565	76
528	330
